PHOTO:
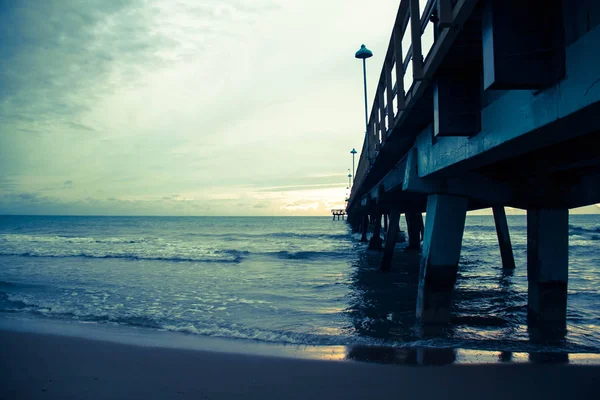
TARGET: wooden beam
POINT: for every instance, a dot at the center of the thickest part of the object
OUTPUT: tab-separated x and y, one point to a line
415	37
390	93
399	67
380	105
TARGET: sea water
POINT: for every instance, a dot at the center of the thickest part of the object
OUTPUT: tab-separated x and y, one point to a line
283	280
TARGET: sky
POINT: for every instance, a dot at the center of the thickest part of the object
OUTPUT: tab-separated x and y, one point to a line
183	107
197	107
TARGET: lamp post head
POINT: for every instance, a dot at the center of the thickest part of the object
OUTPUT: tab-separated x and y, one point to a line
363	52
353	151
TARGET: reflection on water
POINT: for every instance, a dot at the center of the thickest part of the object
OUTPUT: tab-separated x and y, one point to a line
447	356
383	303
405	356
489	316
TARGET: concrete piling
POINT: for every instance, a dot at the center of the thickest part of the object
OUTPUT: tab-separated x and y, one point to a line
364	228
376	242
547	266
390	240
414	222
439	260
508	259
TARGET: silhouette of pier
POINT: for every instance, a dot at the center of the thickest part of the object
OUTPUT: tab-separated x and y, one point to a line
483	104
339	213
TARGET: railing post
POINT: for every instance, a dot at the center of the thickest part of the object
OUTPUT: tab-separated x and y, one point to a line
399	66
415	37
375	117
389	90
372	142
381	104
377	122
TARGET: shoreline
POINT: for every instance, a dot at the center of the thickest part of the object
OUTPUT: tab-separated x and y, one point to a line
371	354
38	365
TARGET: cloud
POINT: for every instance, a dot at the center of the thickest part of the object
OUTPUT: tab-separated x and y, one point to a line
181	107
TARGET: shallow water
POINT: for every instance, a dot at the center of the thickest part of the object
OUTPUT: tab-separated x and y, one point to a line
280	280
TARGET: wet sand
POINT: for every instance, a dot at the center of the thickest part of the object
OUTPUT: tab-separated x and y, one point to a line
43	366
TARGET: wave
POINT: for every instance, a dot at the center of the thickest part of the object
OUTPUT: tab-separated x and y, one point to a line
57	239
216	256
305	255
236	257
579	229
280	235
9	285
19	305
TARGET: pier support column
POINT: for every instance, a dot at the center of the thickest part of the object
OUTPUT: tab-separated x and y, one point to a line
364	228
444	229
375	242
414	222
547	266
390	241
354	221
508	259
385	223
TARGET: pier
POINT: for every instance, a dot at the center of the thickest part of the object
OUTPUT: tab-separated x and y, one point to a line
483	104
339	213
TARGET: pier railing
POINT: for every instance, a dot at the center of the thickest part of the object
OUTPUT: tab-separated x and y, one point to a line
416	47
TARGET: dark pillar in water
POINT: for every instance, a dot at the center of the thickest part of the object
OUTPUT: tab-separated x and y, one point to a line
401	234
385	223
356	222
375	242
547	267
364	228
439	260
414	221
508	259
390	241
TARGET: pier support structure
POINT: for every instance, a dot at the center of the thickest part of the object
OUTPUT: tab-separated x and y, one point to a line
385	223
439	260
508	259
547	266
364	227
375	242
390	240
414	222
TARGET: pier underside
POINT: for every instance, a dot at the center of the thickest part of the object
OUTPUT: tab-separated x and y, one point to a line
489	121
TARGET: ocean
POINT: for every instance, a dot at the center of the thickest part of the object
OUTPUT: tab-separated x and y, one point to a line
282	280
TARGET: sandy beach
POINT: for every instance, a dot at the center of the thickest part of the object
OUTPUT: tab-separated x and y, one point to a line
42	366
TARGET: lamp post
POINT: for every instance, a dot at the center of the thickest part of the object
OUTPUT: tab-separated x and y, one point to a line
353	152
349	178
363	53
